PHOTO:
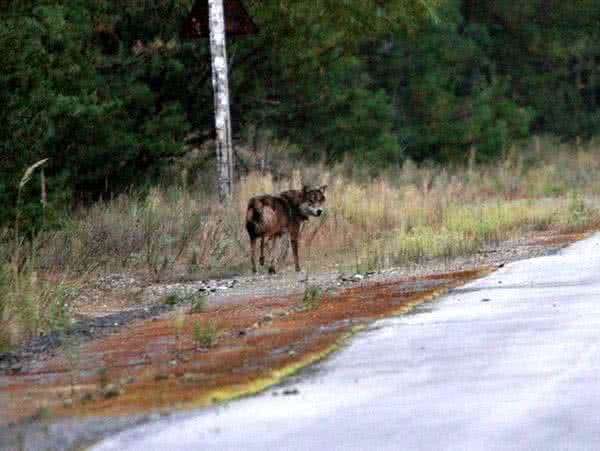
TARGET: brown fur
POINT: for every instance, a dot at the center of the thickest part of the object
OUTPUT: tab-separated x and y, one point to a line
270	216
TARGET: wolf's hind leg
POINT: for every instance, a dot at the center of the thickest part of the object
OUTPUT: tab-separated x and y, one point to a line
252	252
262	251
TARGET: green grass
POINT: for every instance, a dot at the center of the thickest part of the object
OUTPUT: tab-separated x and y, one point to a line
171	299
199	303
311	298
205	334
407	215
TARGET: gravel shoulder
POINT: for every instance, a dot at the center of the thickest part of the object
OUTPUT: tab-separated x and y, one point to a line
112	301
115	302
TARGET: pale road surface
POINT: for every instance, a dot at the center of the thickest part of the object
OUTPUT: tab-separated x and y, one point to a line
509	362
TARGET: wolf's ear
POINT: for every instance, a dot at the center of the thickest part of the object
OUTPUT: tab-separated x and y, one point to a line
323	188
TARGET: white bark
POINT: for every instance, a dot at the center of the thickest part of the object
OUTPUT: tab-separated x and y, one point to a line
220	82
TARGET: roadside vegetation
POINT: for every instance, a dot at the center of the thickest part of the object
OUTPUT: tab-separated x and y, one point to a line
413	114
408	214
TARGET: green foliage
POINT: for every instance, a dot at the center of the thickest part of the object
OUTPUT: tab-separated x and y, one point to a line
171	299
205	334
199	303
446	96
549	51
96	113
30	306
579	214
107	91
311	298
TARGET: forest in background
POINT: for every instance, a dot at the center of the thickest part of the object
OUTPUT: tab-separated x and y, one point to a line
109	92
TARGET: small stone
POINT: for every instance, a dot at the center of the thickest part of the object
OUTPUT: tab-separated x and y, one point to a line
111	391
485	300
127	380
68	402
87	397
189	377
173	363
290	391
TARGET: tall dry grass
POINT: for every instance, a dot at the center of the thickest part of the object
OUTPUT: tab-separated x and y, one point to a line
406	215
29	305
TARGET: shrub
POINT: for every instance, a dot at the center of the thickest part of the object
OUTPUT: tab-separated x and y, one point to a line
205	334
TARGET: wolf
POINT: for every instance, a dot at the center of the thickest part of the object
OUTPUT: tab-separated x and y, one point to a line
269	216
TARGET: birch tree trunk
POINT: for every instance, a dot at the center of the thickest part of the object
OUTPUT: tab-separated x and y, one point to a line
220	82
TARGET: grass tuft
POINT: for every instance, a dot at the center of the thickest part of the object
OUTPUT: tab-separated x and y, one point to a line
406	215
199	304
311	298
205	334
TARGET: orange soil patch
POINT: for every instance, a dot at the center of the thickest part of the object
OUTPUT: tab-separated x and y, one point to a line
152	366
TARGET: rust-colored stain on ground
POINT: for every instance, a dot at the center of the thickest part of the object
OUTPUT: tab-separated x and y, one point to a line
158	365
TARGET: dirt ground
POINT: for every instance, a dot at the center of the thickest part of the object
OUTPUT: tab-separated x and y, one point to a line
131	357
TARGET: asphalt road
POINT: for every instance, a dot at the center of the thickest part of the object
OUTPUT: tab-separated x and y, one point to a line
509	362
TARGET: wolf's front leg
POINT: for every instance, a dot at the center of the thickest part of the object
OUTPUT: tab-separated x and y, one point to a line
295	250
273	255
262	251
294	236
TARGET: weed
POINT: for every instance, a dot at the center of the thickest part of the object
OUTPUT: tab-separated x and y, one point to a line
135	296
205	334
578	213
178	324
171	299
29	304
407	215
311	297
199	303
43	414
72	352
103	376
5	342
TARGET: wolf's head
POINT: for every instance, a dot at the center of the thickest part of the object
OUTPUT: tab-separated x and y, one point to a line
313	199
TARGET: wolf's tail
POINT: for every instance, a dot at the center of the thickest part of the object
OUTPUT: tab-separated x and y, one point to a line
253	218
